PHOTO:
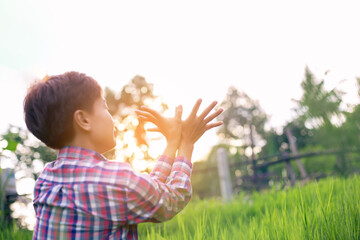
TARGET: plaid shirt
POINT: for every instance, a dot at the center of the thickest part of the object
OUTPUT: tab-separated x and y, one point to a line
82	195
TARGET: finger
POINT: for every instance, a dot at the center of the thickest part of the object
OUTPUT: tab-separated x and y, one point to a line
212	125
152	111
146	116
153	129
207	110
178	112
142	118
214	115
195	108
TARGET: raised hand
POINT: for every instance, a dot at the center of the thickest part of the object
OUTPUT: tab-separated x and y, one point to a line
195	126
169	127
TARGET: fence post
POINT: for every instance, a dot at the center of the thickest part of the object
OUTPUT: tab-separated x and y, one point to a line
224	175
290	170
294	150
253	159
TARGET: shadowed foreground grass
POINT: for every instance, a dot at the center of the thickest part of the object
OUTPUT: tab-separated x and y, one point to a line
329	209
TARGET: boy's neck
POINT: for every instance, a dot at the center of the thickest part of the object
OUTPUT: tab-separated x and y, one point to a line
83	143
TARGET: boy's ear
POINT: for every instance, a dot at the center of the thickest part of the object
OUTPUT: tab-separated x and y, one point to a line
82	120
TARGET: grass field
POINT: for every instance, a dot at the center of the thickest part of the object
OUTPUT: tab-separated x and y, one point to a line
329	209
14	233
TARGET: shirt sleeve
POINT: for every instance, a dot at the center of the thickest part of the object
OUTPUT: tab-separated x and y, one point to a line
162	168
162	194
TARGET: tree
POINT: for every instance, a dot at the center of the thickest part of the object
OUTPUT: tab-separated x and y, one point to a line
133	144
26	157
317	105
244	126
352	123
351	130
244	121
320	110
29	152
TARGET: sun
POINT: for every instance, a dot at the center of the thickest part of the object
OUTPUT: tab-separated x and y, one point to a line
126	147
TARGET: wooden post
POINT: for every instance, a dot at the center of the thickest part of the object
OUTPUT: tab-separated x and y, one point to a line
224	175
253	159
295	152
290	170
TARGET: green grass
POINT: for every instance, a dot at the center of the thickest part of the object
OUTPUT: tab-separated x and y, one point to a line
14	233
329	209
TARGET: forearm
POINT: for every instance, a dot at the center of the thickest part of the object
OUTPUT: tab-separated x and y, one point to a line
170	150
151	200
163	165
186	150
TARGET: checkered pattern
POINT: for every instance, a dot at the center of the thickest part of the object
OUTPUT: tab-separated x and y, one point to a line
82	195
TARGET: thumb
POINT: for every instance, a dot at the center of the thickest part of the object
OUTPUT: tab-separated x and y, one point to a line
178	112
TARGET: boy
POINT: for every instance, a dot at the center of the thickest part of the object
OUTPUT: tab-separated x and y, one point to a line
82	195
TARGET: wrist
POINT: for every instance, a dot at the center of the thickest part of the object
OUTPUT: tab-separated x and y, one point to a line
173	144
185	150
170	150
187	145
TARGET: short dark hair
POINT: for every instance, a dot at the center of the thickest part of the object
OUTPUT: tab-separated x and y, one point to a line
50	104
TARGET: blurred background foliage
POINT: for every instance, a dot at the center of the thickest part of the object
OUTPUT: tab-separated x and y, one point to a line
133	144
322	122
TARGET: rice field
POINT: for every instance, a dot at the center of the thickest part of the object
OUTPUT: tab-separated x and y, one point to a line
328	209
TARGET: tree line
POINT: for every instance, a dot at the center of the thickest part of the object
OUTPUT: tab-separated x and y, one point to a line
322	122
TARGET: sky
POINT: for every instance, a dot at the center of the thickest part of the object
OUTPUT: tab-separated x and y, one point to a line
187	49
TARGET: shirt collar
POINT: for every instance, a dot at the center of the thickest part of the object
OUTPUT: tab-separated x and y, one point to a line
78	153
